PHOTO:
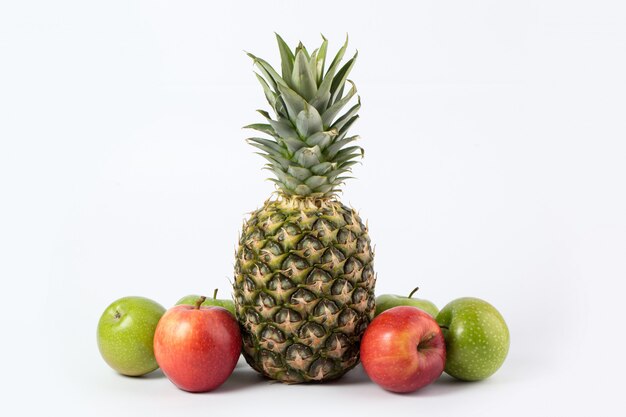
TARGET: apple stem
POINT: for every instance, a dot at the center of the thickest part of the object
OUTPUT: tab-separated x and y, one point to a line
444	327
215	294
414	291
199	302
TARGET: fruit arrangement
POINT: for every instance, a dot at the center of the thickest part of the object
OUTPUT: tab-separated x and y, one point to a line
304	306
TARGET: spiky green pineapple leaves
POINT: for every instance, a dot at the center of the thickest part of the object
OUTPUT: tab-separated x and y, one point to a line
307	136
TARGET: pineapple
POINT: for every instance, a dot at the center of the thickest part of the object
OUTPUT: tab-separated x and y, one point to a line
304	277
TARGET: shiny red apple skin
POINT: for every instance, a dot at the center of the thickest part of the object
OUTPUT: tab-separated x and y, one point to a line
403	349
197	348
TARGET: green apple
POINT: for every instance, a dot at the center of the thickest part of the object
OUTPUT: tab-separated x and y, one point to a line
126	333
387	301
191	300
477	338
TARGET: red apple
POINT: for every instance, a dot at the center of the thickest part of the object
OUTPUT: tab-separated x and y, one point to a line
403	349
197	347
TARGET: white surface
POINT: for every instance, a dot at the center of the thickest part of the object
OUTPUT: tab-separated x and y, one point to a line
495	167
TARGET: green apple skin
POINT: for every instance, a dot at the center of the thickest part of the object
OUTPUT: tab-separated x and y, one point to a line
477	338
126	334
191	300
387	301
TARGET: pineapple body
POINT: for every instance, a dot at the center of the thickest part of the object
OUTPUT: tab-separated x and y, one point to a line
304	288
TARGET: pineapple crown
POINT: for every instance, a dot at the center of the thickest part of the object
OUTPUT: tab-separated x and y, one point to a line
307	150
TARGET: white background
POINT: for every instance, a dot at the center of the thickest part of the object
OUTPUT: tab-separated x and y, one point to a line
495	167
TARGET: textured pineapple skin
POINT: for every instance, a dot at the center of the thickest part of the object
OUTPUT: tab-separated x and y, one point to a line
303	289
